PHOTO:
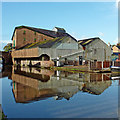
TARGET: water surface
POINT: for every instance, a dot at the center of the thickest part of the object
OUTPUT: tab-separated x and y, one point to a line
41	93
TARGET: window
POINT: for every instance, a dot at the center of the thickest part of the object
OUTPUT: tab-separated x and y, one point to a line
34	33
14	43
14	85
95	51
68	41
24	32
34	39
44	39
24	39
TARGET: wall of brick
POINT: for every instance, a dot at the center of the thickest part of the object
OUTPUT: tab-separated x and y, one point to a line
24	36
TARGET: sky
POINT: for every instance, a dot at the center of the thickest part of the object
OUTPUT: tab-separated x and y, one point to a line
80	19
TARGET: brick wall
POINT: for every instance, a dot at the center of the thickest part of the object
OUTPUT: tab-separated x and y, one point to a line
24	36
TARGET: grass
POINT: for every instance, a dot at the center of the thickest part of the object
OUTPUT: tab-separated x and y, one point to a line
74	70
3	116
78	69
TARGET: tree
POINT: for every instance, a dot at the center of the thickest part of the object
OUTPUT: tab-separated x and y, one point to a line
8	47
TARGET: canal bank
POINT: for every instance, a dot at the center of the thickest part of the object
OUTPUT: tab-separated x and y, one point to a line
2	115
80	69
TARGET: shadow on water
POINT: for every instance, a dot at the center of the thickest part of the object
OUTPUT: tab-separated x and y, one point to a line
31	84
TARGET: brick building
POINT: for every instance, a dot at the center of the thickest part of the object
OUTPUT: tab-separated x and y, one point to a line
24	35
34	46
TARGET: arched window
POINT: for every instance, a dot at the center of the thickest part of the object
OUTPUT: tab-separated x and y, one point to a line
44	57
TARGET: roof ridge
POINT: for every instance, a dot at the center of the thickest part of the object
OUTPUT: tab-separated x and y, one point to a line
32	27
89	38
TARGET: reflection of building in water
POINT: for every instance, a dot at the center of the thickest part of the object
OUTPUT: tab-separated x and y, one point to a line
96	87
30	84
24	93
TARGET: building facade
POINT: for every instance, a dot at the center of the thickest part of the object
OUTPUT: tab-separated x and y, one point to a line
116	53
95	49
33	46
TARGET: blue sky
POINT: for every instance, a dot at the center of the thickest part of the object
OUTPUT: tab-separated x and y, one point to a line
80	19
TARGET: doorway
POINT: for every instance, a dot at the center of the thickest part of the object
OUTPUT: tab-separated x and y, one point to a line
80	60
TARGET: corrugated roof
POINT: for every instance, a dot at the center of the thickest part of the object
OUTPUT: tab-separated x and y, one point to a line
50	33
46	43
85	42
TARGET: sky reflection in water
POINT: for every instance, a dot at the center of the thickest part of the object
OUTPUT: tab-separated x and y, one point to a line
39	93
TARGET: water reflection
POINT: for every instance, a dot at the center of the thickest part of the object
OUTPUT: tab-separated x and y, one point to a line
58	94
33	84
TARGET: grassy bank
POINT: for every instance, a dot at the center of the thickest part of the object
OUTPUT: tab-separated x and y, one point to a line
78	69
71	68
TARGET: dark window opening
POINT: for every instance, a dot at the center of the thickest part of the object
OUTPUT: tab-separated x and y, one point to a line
95	51
80	60
44	57
66	61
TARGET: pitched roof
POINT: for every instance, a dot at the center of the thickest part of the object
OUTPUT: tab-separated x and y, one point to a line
118	46
46	43
85	42
60	29
49	33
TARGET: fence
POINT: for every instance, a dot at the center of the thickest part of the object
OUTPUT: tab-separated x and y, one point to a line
98	65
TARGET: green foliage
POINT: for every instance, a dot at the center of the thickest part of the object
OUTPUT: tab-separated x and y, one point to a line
8	47
113	45
3	116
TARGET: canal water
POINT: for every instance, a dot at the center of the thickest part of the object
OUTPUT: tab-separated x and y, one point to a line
41	93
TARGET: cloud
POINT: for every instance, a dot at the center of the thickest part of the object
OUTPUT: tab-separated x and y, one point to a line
5	41
117	3
83	37
116	41
101	34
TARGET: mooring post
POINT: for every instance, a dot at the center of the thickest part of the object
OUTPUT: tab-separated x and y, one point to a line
113	63
57	61
58	78
102	65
